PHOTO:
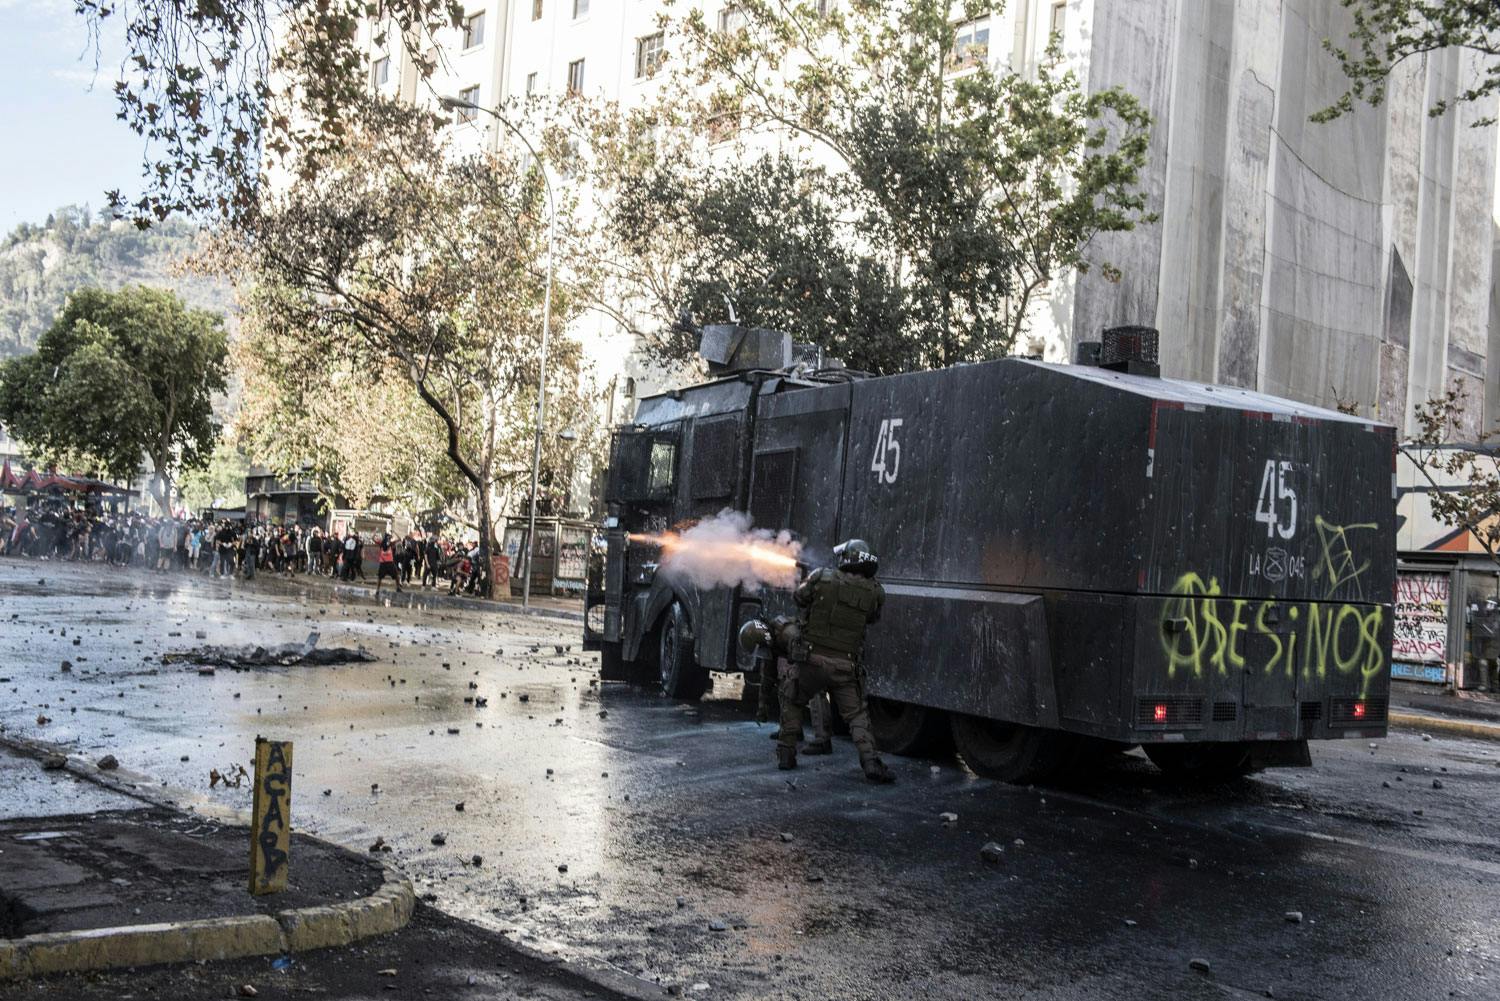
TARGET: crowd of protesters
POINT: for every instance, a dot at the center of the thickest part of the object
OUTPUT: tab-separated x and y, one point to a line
227	548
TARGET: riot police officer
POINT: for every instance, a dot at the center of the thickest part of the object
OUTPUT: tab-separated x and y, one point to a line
836	606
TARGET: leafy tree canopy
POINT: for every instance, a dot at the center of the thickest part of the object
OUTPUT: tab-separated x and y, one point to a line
221	89
404	256
941	197
120	378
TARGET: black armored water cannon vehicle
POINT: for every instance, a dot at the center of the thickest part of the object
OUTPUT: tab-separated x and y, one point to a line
1077	558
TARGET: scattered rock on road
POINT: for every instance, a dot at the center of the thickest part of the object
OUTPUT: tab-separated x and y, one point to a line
53	762
108	763
1295	917
992	852
1199	964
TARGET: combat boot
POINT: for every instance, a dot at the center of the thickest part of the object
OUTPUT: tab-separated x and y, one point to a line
786	758
876	771
818	747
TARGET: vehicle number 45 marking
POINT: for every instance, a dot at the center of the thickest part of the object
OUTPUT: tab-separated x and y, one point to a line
886	462
1277	498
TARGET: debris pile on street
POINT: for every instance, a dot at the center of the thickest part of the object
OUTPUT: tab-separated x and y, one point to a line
286	655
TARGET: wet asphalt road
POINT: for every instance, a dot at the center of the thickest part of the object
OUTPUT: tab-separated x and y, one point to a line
670	819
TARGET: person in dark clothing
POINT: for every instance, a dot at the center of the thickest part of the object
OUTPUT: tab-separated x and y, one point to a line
252	553
352	556
432	561
407	557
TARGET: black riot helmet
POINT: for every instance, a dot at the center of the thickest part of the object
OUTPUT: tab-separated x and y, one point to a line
856	556
755	634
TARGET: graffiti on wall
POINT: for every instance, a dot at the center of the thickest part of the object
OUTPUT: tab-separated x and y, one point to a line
1203	631
1421	626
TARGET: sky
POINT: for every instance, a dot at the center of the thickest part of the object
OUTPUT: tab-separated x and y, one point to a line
63	144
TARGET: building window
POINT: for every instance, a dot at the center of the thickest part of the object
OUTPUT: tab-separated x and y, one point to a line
530	84
536	10
649	51
474	30
971	45
575	77
732	18
1059	17
580	8
380	72
469	95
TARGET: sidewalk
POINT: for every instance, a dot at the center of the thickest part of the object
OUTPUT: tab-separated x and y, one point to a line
1416	706
136	899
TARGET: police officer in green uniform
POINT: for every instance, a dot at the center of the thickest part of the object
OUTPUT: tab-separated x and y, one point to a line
835	608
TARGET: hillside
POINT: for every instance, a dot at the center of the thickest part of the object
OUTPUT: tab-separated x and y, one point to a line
40	265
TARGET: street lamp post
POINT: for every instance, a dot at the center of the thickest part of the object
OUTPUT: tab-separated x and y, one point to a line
541	382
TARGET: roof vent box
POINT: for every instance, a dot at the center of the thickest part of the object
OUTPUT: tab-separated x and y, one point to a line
728	348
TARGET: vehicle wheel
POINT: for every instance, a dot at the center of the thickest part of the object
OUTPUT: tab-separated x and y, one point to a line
1010	752
1217	762
681	677
908	730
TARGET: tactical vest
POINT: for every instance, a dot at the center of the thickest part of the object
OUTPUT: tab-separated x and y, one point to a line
841	608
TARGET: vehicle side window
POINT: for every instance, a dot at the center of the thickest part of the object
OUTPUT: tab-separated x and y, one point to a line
661	467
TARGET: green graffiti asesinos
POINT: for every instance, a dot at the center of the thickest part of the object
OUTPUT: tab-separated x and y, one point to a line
1201	630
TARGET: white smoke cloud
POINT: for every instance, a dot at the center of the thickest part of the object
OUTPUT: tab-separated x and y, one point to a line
725	551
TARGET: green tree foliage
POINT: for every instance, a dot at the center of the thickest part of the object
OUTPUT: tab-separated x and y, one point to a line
769	238
351	419
221	89
1387	33
404	255
956	194
41	265
221	480
120	378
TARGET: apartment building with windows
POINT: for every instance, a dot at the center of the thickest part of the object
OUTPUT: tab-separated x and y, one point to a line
1351	261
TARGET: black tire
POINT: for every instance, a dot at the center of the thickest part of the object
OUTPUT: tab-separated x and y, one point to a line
1216	762
681	677
1010	752
908	730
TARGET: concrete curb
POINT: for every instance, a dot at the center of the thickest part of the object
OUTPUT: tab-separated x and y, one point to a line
386	910
1441	724
299	930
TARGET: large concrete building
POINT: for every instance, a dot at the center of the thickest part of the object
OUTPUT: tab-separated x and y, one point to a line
1346	261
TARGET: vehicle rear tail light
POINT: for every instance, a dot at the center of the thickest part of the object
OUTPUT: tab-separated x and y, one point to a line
1169	710
1357	712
